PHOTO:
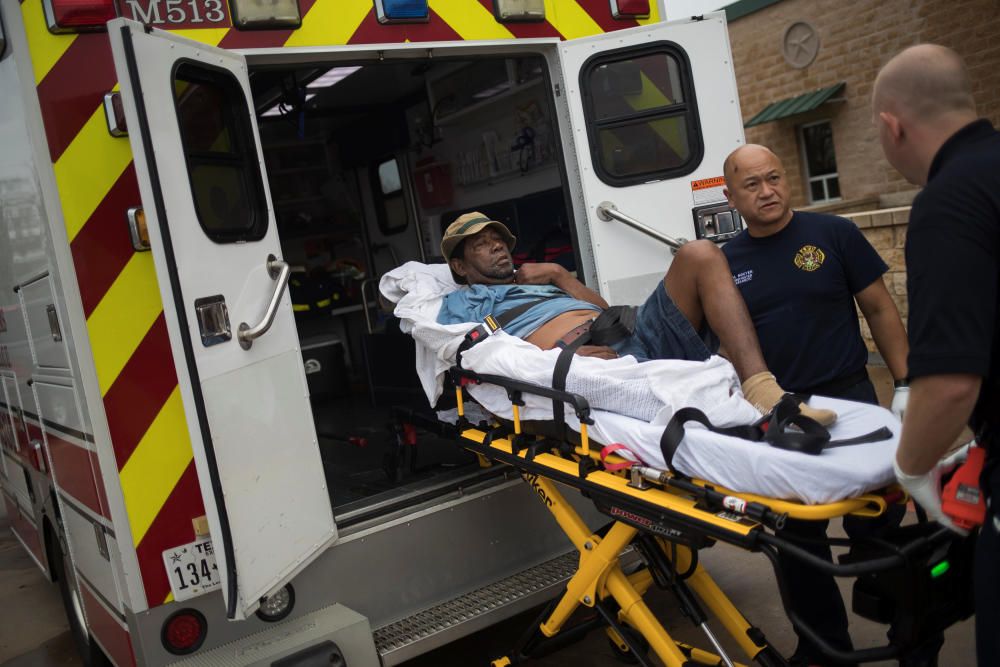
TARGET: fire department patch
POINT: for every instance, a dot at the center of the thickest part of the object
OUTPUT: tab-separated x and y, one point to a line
809	258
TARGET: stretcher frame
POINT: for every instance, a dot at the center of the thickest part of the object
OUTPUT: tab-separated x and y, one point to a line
667	518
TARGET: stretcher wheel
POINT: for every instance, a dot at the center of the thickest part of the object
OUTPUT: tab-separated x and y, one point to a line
621	649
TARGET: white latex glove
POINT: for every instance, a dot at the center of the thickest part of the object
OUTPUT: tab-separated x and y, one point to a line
926	491
900	398
955	459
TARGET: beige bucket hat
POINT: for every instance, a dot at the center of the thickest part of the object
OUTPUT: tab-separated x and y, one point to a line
468	225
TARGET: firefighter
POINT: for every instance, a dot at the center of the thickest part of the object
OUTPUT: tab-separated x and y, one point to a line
927	123
800	274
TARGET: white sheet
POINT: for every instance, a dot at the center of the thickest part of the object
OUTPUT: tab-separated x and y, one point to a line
669	385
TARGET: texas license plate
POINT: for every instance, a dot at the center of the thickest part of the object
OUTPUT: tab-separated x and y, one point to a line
191	569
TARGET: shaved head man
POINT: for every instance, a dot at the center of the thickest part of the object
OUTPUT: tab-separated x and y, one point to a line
921	98
757	187
801	274
926	118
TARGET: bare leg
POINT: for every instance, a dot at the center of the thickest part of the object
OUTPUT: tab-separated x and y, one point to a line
700	284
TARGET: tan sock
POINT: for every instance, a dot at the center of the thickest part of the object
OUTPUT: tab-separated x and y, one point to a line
764	392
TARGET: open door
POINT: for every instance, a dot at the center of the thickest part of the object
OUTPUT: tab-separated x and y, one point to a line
215	246
653	113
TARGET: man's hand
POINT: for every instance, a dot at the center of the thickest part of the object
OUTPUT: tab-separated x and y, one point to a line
599	351
926	491
549	273
541	273
900	398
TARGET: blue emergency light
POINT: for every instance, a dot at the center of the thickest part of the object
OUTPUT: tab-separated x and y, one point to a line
401	11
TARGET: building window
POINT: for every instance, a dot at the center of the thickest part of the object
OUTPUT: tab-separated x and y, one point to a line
221	153
642	119
820	162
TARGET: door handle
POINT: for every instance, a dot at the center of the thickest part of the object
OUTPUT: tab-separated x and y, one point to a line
39	454
279	272
607	212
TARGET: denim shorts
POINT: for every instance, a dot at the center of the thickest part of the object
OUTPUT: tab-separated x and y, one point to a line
662	332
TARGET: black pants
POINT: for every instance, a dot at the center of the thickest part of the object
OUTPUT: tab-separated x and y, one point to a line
814	596
988	572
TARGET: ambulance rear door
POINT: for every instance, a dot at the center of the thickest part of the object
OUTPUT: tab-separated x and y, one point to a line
653	113
218	262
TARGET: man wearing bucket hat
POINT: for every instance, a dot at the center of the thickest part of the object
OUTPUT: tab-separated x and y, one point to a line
554	308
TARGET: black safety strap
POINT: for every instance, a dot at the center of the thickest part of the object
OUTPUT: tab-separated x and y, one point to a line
614	324
559	373
811	438
493	323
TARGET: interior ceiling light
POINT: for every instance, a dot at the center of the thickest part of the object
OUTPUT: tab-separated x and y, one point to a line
254	14
402	11
519	10
630	9
332	76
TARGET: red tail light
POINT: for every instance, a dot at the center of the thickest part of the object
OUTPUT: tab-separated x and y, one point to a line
78	15
184	632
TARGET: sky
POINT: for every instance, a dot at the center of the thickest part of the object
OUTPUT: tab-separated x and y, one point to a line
677	9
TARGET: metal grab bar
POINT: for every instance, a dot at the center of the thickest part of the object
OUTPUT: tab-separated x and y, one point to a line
279	272
607	212
369	327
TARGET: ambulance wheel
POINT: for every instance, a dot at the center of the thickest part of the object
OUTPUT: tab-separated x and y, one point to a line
621	649
88	649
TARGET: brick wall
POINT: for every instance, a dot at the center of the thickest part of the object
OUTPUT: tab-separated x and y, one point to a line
856	39
886	231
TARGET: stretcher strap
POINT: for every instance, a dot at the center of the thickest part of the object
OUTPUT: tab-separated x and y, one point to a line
618	447
559	373
494	323
812	438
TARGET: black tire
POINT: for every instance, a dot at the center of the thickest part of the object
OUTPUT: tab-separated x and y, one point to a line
88	649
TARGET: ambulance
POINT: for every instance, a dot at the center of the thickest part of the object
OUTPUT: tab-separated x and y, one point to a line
213	438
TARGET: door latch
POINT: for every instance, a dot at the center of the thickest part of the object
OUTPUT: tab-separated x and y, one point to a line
213	320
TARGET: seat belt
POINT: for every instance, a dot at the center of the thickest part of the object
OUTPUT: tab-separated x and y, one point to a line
812	438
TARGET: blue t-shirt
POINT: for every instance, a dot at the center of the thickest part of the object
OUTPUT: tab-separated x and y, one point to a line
799	287
474	303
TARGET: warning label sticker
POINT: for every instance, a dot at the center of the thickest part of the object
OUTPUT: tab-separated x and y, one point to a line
708	190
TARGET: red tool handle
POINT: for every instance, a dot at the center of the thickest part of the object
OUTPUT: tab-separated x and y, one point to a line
962	499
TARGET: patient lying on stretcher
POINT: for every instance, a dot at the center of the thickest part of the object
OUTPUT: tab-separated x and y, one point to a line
552	309
632	402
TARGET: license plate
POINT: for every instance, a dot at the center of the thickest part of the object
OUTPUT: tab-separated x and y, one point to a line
191	569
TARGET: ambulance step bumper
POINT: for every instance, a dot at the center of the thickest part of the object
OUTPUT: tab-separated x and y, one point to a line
444	623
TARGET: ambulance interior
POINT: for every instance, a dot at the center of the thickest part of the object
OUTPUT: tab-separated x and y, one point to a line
367	164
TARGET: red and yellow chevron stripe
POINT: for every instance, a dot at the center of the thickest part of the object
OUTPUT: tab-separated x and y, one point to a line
121	302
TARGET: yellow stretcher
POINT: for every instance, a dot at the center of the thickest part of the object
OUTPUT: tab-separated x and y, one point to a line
919	584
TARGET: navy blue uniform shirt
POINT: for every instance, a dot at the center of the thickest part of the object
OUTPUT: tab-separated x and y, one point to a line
799	287
952	254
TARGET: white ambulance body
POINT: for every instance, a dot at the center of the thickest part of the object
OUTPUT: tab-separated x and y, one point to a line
196	385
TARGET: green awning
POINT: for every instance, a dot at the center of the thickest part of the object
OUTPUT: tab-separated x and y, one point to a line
795	105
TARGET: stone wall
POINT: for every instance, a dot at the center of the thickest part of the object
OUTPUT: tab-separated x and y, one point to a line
856	39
